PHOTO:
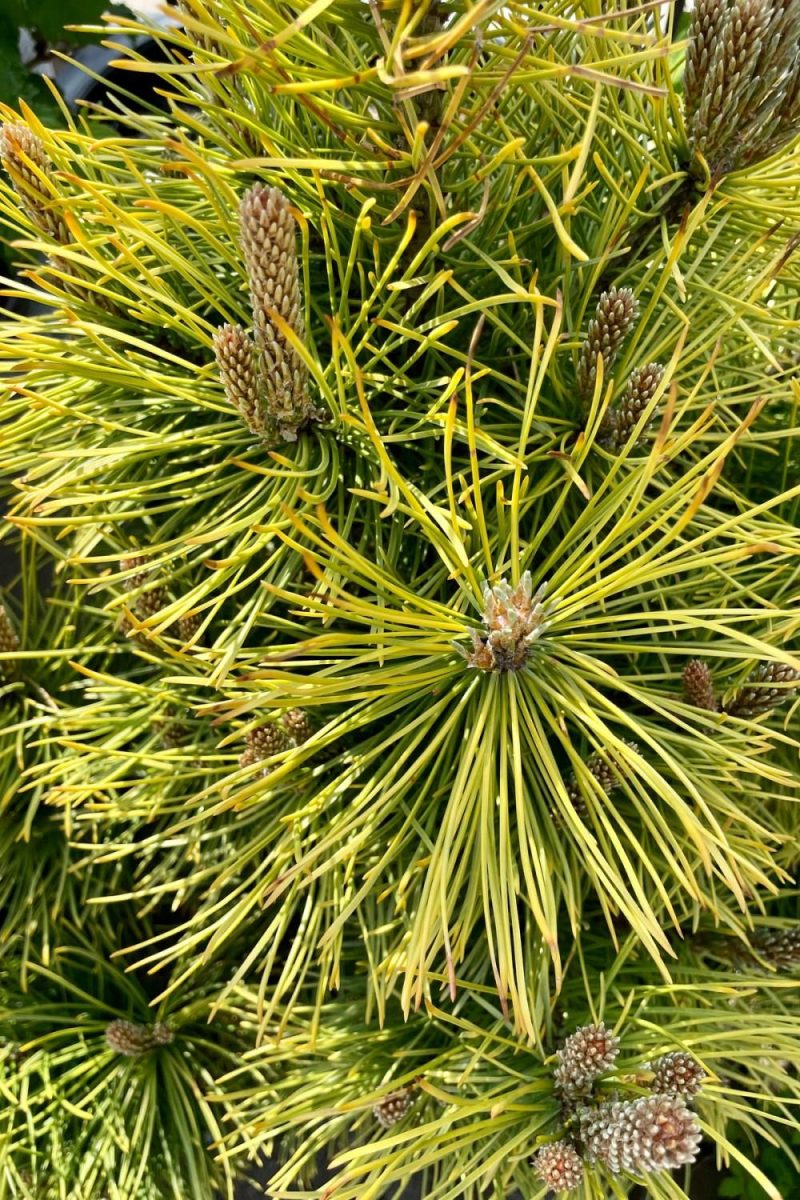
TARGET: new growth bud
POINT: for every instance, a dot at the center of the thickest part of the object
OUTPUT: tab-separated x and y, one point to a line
267	379
513	619
559	1166
614	318
587	1053
637	1137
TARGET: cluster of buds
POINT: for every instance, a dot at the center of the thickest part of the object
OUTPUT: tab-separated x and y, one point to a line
765	688
559	1166
393	1108
780	948
265	741
698	686
656	1132
9	644
125	1037
152	597
513	619
772	948
742	80
264	377
189	627
637	1137
605	771
677	1074
586	1055
621	419
614	318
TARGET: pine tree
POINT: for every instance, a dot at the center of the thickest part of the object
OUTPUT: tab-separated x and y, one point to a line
398	741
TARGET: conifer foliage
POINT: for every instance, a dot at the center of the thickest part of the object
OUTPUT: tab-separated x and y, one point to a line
399	668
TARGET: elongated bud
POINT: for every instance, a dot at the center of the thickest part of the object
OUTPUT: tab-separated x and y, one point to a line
734	59
677	1074
236	359
703	35
125	1037
268	235
622	419
30	169
559	1166
765	689
698	685
614	318
25	159
742	81
638	1137
588	1052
